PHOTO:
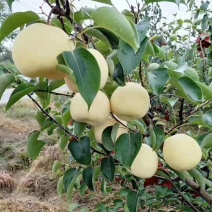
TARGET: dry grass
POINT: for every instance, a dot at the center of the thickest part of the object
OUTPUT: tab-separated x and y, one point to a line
22	110
6	182
28	204
39	180
32	189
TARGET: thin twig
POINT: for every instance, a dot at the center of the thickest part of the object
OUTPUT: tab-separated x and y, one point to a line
140	74
186	118
49	16
47	1
62	23
92	42
55	93
121	122
67	132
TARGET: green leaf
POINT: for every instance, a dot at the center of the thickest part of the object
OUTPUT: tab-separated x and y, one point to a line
34	146
86	71
5	80
205	21
44	97
160	134
80	150
16	20
128	59
9	2
112	20
158	79
69	176
188	89
83	14
196	119
19	92
73	206
104	1
127	147
112	38
108	168
161	53
60	187
71	189
56	166
204	5
66	115
207	142
79	128
132	201
63	141
152	137
97	34
198	177
183	175
141	125
160	192
107	139
143	27
207	118
118	75
88	177
169	101
55	84
207	92
40	117
150	49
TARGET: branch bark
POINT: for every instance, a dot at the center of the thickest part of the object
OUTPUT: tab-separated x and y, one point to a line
207	197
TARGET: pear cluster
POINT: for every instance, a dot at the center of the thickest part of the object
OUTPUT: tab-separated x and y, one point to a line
35	52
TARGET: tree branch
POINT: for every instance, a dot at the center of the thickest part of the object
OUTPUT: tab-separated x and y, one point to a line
67	132
184	198
207	197
55	93
51	118
187	117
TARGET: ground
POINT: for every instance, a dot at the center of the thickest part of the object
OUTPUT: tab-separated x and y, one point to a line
24	185
27	185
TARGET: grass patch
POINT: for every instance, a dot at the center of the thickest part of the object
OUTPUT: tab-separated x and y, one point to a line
21	110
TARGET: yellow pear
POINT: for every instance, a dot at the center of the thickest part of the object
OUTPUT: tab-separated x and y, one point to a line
145	163
181	152
98	129
71	84
103	71
98	112
130	102
36	48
